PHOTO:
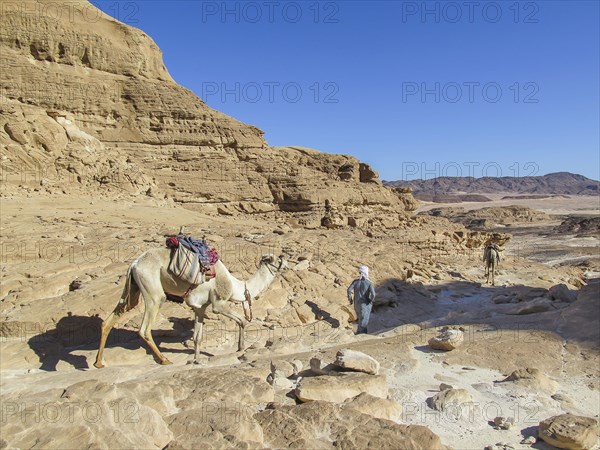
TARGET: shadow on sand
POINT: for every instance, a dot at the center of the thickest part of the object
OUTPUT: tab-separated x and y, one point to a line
398	303
73	332
466	302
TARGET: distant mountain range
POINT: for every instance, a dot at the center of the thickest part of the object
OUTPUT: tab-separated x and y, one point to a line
446	188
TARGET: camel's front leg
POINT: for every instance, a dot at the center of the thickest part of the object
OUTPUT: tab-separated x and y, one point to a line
146	330
198	325
221	307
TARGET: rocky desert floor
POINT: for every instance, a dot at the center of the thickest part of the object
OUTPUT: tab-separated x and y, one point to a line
64	258
539	239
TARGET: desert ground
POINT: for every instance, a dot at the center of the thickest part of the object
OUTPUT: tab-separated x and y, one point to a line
65	274
538	238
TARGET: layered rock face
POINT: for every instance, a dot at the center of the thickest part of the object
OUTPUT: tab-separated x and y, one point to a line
108	79
73	58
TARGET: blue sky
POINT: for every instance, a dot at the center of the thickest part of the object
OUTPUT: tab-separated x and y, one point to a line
416	89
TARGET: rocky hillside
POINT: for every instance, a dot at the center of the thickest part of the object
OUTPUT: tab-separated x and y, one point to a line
109	76
88	104
560	183
581	226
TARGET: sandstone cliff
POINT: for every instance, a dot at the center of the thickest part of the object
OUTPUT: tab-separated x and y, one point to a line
146	134
110	76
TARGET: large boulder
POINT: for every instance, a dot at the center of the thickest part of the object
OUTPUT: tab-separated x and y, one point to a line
340	387
328	425
382	408
570	432
357	361
215	425
561	293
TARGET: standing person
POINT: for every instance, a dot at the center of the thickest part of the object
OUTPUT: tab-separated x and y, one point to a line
364	294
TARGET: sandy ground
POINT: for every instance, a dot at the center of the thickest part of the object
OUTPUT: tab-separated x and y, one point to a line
556	340
539	241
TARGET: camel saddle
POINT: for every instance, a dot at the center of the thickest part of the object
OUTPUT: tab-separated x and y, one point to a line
185	265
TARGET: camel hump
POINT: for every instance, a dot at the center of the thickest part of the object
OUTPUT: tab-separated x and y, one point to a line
223	285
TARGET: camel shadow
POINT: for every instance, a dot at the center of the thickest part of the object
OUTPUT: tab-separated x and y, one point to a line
71	331
74	332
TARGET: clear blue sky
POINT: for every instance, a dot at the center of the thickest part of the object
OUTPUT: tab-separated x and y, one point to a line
517	82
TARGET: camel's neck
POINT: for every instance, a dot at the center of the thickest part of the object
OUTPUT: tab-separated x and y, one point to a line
260	281
256	284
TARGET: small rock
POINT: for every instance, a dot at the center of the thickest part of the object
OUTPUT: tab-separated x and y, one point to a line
297	365
504	423
442	400
283	383
529	440
78	282
75	285
305	313
447	340
302	265
444	386
283	368
482	387
318	367
499	446
532	378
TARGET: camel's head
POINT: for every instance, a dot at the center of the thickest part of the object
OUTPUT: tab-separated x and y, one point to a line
275	265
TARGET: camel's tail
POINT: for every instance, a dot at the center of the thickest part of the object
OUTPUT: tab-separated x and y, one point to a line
131	293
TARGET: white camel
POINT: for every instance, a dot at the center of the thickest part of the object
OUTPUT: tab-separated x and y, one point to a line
149	276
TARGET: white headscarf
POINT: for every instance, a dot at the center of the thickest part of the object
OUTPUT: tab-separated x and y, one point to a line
364	271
